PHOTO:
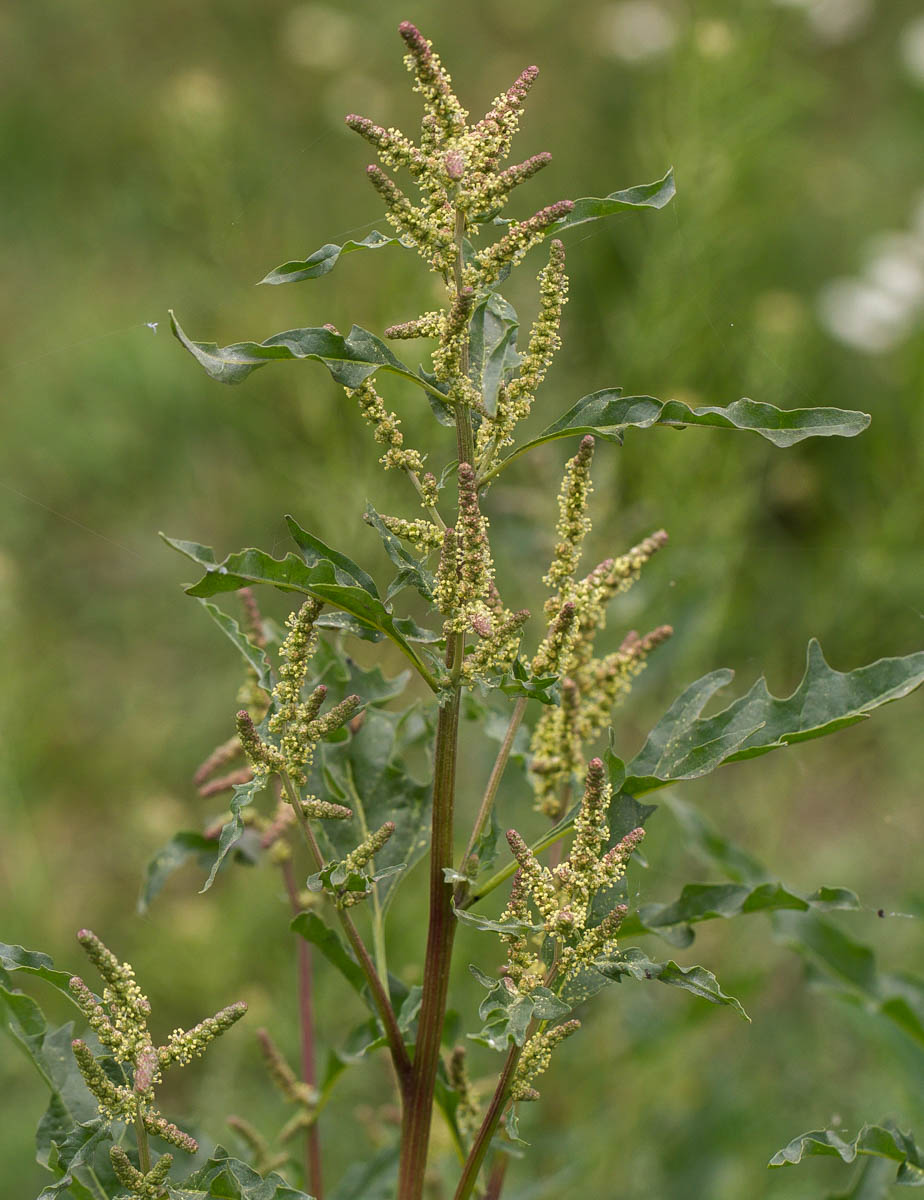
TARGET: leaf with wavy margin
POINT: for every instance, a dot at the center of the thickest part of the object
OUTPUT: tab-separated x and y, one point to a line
349	359
880	1141
707	901
635	964
643	195
607	414
326	258
686	745
226	1176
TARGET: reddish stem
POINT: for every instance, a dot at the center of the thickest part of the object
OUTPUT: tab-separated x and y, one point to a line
313	1176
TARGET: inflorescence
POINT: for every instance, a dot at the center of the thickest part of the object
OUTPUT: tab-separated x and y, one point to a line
120	1021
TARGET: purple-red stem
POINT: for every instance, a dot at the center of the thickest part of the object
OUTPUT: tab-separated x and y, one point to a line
313	1178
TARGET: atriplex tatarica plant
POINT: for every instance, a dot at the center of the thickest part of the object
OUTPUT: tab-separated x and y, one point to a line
316	769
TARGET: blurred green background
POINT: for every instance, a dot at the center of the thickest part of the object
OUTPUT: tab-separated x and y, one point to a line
169	155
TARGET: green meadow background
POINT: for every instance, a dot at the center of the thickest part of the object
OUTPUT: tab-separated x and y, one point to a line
168	155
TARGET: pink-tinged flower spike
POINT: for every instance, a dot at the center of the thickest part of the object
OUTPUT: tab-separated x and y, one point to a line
220	757
182	1047
446	591
590	826
521	237
395	150
432	82
447	358
496	188
492	136
433	240
295	1090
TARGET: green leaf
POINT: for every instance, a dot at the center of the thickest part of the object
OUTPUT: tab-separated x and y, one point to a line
77	1157
326	258
845	966
33	962
349	359
315	551
702	837
706	901
411	570
311	927
492	347
179	850
228	1177
881	1141
255	656
685	745
372	1180
507	1013
368	772
635	964
292	574
343	676
232	830
607	414
643	195
511	926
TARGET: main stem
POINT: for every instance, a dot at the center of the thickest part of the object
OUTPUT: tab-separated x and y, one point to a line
418	1111
313	1177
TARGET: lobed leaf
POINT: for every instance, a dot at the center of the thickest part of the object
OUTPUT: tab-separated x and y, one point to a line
686	745
706	901
635	964
607	414
643	195
228	1177
33	962
293	574
881	1141
326	258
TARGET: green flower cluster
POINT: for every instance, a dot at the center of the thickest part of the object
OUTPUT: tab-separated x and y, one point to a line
120	1021
560	901
591	685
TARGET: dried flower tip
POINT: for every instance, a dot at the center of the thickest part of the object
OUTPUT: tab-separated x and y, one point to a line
220	757
226	782
455	165
146	1070
325	810
367	849
498	188
253	617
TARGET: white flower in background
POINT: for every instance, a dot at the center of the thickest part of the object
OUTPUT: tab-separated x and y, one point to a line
833	20
911	48
878	310
636	30
317	35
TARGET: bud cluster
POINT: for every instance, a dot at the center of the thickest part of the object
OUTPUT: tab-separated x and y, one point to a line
119	1021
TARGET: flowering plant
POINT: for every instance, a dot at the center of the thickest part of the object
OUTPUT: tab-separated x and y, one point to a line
317	771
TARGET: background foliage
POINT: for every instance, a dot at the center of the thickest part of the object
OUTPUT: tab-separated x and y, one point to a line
167	155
